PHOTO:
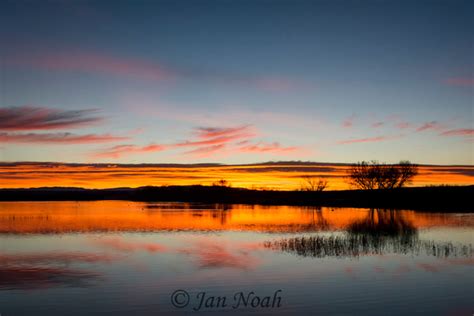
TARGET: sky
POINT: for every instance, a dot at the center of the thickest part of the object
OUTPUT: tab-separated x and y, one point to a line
236	82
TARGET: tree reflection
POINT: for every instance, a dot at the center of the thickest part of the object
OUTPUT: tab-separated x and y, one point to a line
381	232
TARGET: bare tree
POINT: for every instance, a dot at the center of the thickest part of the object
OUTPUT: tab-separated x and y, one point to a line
221	183
313	184
373	175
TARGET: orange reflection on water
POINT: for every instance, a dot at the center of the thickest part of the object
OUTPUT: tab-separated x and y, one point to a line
109	216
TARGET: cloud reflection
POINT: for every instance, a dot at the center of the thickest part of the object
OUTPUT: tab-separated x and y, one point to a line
44	270
210	253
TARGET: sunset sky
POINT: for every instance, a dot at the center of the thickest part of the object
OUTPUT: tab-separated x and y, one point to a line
236	82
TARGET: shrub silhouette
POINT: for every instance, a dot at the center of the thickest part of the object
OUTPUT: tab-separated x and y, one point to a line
221	183
373	175
313	184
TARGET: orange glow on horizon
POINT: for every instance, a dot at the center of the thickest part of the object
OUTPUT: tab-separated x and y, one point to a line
266	176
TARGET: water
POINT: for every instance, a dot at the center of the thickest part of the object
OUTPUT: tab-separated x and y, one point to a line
127	258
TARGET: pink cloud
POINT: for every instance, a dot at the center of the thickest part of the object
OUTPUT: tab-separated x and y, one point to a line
464	82
210	132
58	138
122	150
348	122
365	140
459	132
212	141
377	124
230	140
264	147
207	142
95	63
207	151
42	118
433	125
218	135
403	125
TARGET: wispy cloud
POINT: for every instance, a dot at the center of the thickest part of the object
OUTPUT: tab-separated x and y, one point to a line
403	125
91	62
267	147
365	140
207	151
240	139
218	135
348	122
123	150
43	118
377	124
58	138
207	142
209	132
460	81
108	64
433	125
459	132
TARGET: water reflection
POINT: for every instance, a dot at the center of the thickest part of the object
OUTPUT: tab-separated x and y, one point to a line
380	232
87	258
114	216
44	270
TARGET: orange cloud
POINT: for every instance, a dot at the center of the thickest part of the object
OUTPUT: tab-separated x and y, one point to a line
58	138
42	118
283	175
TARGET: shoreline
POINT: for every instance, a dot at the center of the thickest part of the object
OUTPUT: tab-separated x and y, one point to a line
434	199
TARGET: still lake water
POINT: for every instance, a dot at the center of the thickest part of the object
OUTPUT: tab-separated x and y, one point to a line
127	258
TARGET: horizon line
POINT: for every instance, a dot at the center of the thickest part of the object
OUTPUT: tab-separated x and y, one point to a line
214	164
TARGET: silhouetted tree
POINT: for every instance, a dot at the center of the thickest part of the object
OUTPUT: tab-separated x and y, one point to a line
313	184
221	183
373	175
